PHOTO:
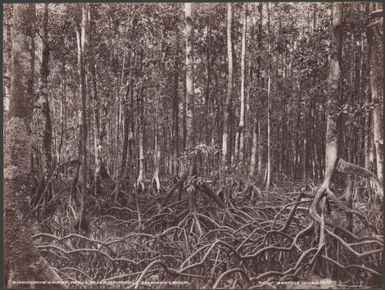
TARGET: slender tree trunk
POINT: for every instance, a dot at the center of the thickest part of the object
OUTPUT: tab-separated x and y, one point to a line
260	84
305	143
376	80
226	124
82	42
98	145
7	63
141	127
369	154
260	148
189	88
190	166
126	122
43	91
132	116
63	105
268	169
156	155
242	118
254	149
23	261
331	153
334	95
208	82
176	112
139	181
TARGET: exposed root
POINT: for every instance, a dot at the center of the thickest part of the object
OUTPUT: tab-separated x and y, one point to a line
248	244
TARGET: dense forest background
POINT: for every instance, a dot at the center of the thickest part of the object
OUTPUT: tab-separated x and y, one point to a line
189	142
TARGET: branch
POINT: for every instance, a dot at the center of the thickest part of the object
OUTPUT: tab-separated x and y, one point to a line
353	169
376	13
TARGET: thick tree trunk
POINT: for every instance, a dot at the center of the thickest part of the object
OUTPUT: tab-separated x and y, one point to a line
23	260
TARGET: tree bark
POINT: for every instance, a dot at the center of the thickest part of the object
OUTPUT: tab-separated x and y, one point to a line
156	155
63	105
254	149
126	123
190	142
260	84
141	128
7	54
82	42
23	260
268	169
331	113
176	110
241	129
376	77
226	124
43	91
98	142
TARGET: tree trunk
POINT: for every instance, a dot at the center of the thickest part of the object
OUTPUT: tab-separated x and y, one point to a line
268	169
23	260
241	128
176	112
189	89
260	84
376	77
156	155
331	152
7	62
82	42
141	128
260	149
208	82
126	123
98	144
63	105
254	149
43	91
226	124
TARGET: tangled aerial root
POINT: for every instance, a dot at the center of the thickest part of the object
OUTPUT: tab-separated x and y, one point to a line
292	236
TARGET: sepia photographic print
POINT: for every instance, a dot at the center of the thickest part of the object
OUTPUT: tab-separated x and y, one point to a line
193	145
